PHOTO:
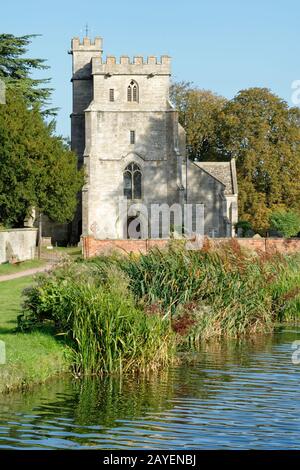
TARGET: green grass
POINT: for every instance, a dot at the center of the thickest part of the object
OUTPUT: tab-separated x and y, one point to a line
72	251
30	357
7	268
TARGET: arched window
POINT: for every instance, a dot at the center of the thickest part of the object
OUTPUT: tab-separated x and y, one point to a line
132	181
133	91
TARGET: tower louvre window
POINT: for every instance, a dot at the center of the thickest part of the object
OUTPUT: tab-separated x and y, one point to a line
111	94
132	137
133	91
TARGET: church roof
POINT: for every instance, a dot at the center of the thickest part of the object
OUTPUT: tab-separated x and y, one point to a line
224	172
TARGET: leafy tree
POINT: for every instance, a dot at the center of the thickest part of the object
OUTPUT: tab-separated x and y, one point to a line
198	114
36	167
285	222
263	134
244	226
15	70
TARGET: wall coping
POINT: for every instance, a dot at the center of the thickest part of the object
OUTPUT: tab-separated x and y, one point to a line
25	229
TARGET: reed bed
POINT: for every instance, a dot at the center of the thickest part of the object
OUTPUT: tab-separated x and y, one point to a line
105	330
132	313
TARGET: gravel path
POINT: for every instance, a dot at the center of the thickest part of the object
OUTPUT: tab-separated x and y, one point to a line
26	272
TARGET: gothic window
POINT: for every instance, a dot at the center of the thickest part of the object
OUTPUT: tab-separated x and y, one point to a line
132	181
111	94
133	91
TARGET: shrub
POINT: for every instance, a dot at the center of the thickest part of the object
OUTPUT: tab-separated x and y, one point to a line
285	222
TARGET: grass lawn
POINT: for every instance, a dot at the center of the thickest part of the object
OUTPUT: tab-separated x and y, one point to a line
72	251
30	357
7	268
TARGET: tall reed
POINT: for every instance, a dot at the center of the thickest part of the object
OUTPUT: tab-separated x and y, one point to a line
106	331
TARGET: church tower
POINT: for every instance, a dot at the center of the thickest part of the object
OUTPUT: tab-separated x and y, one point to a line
126	132
82	95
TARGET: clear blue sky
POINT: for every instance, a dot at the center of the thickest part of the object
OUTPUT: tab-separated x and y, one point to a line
221	45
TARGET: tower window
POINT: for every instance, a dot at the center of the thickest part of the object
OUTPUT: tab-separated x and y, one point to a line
133	91
132	181
111	94
132	137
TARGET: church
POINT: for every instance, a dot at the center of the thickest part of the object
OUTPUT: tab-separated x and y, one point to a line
125	131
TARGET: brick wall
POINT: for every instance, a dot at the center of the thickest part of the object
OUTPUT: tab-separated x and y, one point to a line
271	245
93	247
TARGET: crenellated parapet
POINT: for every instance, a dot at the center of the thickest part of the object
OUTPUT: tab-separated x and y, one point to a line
87	45
137	65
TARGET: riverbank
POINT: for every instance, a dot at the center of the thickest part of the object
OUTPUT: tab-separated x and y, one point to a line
31	357
135	313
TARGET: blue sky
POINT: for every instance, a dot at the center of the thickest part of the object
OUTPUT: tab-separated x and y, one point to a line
223	46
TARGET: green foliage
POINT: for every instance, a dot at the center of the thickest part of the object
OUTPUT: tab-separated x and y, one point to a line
224	292
225	285
285	222
244	225
198	114
33	357
107	332
263	134
36	168
15	70
132	313
285	288
260	131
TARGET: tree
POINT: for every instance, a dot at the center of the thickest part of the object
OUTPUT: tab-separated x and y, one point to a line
36	167
15	70
263	134
244	226
198	114
285	222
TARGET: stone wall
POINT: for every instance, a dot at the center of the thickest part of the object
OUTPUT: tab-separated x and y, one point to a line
17	244
93	247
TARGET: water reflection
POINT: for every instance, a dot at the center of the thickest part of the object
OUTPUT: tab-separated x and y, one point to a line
240	394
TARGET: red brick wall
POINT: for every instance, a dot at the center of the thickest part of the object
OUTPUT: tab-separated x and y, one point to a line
92	247
271	245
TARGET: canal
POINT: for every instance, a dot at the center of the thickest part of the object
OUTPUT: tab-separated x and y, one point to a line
231	395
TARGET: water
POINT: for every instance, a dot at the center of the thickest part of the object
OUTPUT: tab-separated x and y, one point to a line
234	395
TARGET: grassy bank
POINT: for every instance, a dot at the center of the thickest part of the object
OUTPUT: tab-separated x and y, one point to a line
32	357
134	313
7	268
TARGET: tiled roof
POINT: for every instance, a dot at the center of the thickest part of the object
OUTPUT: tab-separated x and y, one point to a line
223	172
